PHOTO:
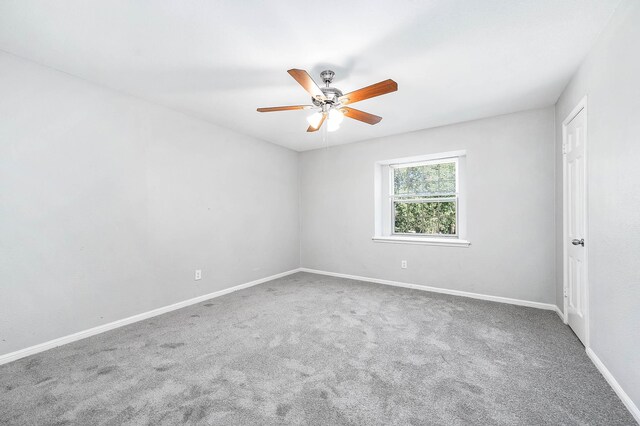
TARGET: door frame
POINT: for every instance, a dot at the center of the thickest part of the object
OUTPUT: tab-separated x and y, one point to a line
581	106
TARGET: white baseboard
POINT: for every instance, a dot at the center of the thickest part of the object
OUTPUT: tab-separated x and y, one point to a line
12	356
626	400
560	314
539	305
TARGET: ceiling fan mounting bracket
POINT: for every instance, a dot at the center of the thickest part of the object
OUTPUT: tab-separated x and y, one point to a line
327	76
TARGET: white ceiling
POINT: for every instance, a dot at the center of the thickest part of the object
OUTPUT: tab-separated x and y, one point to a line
454	60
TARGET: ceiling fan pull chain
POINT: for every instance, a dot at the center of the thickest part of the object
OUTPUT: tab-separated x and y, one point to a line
324	137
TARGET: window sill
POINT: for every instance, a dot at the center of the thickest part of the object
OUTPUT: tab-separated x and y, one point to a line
429	241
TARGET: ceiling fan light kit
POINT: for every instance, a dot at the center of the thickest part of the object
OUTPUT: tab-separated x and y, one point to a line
330	103
314	119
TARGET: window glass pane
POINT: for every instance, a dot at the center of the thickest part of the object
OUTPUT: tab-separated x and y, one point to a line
434	218
427	179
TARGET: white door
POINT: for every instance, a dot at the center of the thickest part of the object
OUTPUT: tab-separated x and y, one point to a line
575	224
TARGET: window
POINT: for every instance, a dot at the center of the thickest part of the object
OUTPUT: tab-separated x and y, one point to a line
425	198
421	200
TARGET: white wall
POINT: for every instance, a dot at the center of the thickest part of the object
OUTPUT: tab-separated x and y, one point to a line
610	77
108	204
510	209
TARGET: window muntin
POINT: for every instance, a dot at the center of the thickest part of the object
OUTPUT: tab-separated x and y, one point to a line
424	198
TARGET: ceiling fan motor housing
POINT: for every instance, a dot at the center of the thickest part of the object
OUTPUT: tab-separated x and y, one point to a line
331	93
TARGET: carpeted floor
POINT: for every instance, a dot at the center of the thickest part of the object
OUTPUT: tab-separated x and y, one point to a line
310	349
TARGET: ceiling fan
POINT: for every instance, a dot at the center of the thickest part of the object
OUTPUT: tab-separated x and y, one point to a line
330	103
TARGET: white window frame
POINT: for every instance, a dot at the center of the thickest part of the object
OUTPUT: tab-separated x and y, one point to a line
384	199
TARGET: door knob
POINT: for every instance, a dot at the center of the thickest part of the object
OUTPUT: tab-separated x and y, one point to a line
577	242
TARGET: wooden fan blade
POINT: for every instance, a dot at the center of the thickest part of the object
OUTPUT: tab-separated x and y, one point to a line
372	91
304	79
315	129
284	108
365	117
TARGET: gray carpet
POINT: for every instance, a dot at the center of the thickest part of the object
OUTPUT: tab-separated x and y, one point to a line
309	349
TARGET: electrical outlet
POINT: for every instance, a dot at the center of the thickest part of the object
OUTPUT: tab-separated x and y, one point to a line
198	274
403	264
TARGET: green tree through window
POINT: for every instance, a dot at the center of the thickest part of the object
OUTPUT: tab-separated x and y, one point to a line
425	198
